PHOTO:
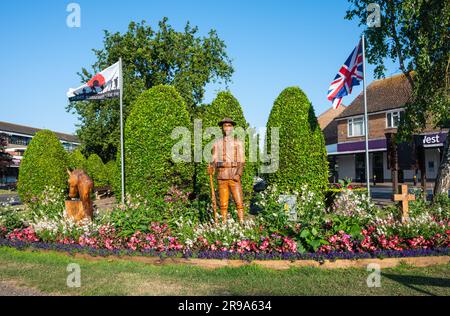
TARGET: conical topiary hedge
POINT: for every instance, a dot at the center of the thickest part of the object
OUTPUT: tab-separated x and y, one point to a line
149	167
302	151
44	164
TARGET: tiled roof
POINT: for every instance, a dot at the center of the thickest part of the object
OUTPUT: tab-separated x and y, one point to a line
328	125
26	130
384	94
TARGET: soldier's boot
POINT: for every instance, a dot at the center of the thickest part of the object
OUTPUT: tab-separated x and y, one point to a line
240	213
224	214
224	193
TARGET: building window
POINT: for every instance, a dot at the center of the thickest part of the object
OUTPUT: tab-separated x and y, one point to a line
356	127
69	146
393	119
19	140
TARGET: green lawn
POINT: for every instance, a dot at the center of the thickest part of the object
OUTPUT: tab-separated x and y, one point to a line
4	192
47	272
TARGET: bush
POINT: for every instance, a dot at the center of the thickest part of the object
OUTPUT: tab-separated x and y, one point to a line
354	204
49	204
10	218
44	164
111	172
224	105
149	167
332	193
77	160
138	212
438	208
274	213
116	178
302	152
97	171
177	206
219	235
441	206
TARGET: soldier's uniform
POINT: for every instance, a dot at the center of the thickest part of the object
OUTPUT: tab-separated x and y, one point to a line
228	155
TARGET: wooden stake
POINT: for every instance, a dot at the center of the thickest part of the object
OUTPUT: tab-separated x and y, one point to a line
213	198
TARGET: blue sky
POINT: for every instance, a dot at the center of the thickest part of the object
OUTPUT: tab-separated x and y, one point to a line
273	45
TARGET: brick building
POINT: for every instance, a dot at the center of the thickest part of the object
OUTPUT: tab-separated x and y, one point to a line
18	138
328	124
385	100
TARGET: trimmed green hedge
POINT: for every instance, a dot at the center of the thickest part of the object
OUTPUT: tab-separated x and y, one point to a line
149	167
44	164
115	178
96	170
224	105
111	172
77	160
302	151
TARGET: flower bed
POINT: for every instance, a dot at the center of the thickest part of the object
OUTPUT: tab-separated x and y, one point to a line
351	228
159	241
250	256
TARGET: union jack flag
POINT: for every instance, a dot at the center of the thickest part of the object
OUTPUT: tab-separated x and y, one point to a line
350	74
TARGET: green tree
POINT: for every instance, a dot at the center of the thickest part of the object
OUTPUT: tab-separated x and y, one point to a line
96	170
302	152
149	166
150	57
44	164
77	160
416	34
224	105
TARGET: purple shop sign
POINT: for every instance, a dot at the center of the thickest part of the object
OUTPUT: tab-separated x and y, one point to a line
431	140
376	144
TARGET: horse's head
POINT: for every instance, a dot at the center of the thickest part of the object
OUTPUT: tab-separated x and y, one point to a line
73	184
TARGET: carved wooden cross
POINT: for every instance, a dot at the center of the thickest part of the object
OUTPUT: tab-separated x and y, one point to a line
405	198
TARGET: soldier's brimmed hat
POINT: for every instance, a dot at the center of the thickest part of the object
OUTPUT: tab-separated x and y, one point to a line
227	120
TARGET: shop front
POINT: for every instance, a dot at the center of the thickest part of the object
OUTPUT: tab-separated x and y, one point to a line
348	160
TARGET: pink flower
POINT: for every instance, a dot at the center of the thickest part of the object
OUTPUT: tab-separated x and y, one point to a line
108	244
264	245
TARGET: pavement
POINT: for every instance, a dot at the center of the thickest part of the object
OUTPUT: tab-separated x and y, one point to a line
11	289
14	197
382	192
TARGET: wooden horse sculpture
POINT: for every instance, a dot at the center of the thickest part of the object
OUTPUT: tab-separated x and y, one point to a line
79	184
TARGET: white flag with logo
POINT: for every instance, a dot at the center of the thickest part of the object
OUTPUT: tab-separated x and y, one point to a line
104	85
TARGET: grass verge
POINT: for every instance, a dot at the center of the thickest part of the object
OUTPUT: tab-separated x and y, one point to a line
47	272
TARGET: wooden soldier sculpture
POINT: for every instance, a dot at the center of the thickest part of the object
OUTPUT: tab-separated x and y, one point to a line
228	158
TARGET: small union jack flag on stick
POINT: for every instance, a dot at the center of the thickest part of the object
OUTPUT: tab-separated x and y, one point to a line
350	74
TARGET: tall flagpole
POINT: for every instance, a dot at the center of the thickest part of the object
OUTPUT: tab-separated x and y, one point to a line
122	155
366	119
